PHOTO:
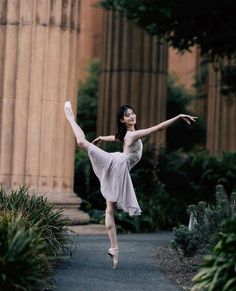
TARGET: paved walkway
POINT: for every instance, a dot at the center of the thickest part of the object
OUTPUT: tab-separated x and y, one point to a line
89	268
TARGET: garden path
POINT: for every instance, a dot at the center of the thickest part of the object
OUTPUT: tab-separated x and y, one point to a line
89	268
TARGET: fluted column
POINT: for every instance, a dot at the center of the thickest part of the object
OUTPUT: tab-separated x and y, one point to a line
221	121
38	72
133	71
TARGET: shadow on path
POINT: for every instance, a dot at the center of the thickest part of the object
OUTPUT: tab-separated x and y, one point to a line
89	268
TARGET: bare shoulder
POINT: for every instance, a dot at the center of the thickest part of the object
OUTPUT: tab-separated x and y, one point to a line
130	137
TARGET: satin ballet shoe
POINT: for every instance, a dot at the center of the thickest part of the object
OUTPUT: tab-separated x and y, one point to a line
113	253
68	110
67	104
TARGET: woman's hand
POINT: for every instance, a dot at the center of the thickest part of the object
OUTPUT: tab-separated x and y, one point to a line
97	141
188	118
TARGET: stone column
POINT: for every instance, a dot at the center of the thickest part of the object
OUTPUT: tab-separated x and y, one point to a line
38	73
221	120
133	71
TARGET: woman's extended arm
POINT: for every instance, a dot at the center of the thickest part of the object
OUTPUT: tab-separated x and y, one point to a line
104	138
163	125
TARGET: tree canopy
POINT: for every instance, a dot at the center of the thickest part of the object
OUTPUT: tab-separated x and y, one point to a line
210	25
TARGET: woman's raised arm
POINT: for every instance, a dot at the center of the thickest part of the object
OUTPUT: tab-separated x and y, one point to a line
163	125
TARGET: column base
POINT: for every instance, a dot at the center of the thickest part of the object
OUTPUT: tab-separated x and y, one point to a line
69	202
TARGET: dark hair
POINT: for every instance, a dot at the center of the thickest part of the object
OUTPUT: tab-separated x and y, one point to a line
121	128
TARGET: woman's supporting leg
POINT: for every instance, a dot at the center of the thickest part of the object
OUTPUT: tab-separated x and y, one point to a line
113	251
78	132
110	223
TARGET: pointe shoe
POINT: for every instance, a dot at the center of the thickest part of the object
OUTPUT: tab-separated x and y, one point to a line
68	110
67	104
113	253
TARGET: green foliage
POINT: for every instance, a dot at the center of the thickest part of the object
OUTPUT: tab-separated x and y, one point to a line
218	270
191	177
50	223
23	261
181	135
186	242
209	219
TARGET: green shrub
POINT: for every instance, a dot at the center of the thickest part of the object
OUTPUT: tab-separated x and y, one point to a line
186	241
209	220
23	261
36	209
191	177
218	271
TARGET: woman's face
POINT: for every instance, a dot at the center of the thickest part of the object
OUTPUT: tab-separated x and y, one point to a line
129	118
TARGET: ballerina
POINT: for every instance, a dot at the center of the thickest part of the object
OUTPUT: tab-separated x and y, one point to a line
112	169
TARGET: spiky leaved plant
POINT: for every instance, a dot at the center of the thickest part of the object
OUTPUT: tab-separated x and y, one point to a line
218	271
209	219
39	212
23	260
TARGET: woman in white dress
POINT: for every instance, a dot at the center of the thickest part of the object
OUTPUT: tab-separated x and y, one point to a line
112	169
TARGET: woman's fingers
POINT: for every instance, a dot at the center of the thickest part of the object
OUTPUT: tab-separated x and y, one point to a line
194	118
186	120
189	119
96	140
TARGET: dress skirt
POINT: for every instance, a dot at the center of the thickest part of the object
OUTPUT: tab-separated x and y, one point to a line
112	170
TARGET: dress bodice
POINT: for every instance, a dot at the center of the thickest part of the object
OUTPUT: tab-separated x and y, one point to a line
133	152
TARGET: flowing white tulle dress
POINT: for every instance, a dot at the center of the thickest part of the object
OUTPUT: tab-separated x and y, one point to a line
112	170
